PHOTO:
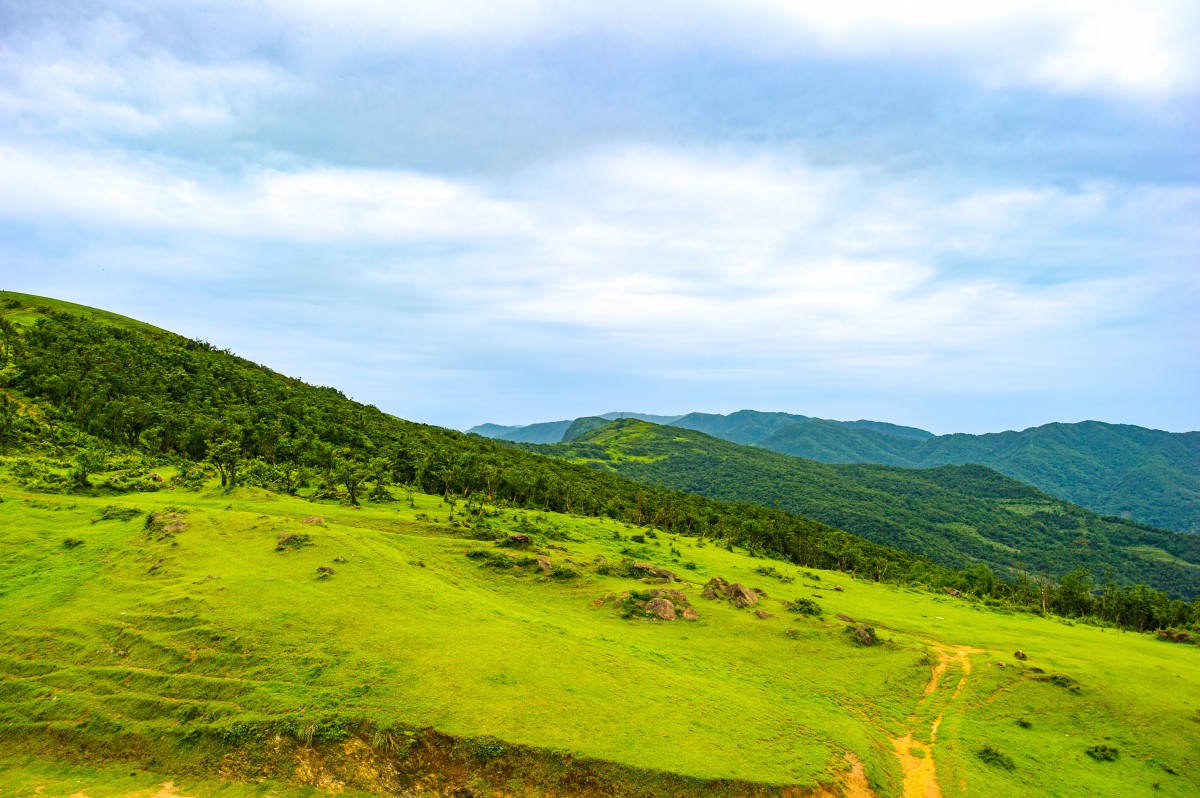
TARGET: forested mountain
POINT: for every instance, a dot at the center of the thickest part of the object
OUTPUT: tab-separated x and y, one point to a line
1141	474
1114	469
960	516
555	431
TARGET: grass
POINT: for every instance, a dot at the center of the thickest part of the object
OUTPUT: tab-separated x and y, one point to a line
211	632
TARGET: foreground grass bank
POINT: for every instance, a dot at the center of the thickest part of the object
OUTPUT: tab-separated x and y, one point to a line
192	645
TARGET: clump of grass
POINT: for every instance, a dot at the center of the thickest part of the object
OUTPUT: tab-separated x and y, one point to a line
1103	753
995	758
1024	723
112	512
325	571
70	543
774	573
293	540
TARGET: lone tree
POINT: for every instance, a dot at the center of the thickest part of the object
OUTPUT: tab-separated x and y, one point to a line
352	475
225	456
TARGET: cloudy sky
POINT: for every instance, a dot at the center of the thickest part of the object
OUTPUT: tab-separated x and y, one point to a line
962	216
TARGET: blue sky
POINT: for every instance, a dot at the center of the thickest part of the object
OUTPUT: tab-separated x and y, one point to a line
962	218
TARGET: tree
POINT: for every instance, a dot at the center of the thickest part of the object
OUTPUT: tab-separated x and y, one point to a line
87	461
351	475
8	417
225	456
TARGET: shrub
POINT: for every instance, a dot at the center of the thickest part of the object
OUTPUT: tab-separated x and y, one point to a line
804	606
293	540
1103	753
995	758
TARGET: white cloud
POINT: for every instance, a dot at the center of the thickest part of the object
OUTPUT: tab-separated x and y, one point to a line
102	76
694	254
1127	46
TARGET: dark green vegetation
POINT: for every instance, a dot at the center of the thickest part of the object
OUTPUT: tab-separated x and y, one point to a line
961	516
1112	469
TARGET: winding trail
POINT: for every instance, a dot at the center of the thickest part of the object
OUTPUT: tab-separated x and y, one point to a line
915	754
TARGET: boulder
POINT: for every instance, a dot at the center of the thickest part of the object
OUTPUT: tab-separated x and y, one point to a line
864	635
689	614
1019	654
763	615
651	580
676	596
952	591
544	563
661	608
845	618
741	596
518	540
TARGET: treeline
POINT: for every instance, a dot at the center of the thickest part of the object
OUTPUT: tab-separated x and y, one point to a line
79	389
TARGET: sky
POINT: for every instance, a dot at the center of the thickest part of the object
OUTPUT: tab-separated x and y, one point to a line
966	217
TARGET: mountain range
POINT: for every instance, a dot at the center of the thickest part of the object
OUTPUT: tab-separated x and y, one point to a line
1145	475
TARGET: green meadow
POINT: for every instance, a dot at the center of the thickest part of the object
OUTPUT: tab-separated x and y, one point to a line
208	648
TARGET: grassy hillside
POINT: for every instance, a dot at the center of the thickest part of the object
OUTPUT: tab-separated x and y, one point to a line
958	516
194	648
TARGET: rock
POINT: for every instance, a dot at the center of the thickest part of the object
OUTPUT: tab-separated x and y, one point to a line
763	615
155	567
544	563
1176	637
676	596
661	608
314	519
838	588
1019	654
864	636
952	591
741	596
845	618
518	540
656	581
653	571
710	594
689	614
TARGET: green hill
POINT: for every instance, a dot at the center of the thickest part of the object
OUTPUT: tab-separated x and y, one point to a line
1114	469
216	580
1145	475
960	516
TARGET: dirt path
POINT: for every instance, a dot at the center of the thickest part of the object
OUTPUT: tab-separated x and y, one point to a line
915	754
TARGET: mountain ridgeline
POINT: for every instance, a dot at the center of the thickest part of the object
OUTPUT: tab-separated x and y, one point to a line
959	516
1141	474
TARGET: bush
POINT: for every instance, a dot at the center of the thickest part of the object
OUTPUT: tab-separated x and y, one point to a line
1103	753
995	758
804	606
